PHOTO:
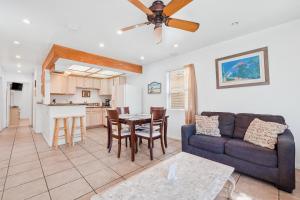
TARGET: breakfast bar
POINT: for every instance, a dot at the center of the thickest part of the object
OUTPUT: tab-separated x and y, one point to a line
45	118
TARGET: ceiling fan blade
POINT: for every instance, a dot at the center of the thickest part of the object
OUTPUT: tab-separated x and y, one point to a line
174	6
134	26
158	34
141	6
182	24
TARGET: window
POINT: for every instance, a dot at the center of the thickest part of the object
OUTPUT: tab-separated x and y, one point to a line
176	89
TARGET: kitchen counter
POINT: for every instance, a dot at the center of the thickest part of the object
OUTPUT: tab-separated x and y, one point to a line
65	104
98	106
45	114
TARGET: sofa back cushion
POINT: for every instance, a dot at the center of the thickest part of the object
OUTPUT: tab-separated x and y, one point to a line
226	122
243	120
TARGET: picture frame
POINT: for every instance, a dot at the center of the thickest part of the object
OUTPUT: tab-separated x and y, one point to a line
250	68
86	93
154	88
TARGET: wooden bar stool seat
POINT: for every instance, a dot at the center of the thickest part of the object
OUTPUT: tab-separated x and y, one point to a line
57	128
82	128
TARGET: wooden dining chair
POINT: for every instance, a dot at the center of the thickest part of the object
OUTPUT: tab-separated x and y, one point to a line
116	130
151	134
146	126
123	110
156	108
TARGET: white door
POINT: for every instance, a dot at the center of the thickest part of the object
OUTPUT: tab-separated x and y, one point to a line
133	98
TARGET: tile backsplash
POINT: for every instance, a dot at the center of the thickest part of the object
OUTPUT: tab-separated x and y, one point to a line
77	98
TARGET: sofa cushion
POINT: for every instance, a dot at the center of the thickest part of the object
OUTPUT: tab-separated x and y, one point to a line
226	122
252	153
243	120
263	133
207	125
208	143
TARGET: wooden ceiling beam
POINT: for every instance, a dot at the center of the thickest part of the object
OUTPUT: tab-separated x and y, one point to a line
58	51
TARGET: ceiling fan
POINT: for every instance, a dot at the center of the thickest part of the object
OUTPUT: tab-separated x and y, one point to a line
159	13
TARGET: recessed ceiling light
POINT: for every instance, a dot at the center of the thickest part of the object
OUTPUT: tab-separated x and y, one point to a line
235	23
19	71
26	21
142	58
19	65
18	56
101	45
175	45
119	32
16	42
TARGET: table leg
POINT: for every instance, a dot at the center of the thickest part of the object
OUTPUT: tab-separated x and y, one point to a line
166	133
231	187
108	135
132	138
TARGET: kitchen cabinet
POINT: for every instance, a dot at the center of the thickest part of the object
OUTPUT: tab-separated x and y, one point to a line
97	83
88	83
118	94
61	84
106	87
71	85
79	82
94	117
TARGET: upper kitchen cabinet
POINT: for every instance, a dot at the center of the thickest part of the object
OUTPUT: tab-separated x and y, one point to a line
79	81
71	84
106	87
118	96
97	84
88	83
61	84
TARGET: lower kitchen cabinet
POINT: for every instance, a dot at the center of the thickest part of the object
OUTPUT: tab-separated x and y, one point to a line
94	117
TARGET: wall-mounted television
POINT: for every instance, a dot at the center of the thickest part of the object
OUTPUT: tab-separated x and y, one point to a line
16	86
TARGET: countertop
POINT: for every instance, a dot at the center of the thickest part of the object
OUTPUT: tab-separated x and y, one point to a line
98	107
75	104
65	104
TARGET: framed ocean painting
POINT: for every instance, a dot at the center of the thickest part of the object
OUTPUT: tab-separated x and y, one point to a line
249	68
154	88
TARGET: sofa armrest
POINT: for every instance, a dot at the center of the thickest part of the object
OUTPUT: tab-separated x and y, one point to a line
186	132
286	160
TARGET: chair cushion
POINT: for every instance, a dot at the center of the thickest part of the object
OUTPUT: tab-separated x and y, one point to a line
243	120
146	133
252	153
226	122
208	143
124	132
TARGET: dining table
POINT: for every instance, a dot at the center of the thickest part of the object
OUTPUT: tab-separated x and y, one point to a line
134	120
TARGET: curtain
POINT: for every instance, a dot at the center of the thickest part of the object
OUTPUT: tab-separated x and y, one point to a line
190	94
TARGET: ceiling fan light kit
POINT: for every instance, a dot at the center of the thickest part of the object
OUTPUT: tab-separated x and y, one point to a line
159	13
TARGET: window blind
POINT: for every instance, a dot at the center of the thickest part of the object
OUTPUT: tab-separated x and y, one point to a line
177	89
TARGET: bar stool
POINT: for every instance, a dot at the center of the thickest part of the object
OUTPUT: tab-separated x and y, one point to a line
57	128
82	128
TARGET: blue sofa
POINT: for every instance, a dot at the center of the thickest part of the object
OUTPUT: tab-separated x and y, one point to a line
275	166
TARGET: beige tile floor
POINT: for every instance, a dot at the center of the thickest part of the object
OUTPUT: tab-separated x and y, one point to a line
29	169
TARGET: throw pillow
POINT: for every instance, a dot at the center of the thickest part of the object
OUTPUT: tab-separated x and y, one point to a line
263	133
208	125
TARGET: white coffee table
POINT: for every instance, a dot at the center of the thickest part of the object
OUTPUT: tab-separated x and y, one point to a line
195	178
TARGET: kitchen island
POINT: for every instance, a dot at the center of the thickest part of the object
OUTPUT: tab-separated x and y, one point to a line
45	114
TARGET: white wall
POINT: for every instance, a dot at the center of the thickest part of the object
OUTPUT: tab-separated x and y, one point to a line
2	99
27	79
22	99
281	97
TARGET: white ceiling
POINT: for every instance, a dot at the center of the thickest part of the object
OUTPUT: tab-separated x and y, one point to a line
98	20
